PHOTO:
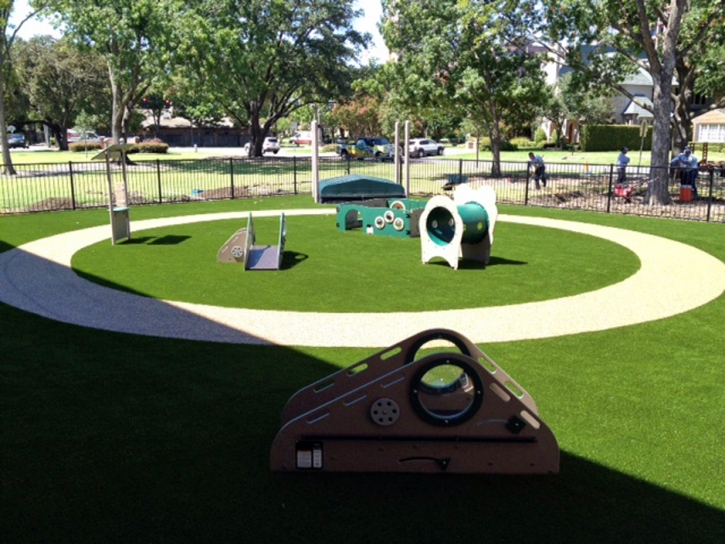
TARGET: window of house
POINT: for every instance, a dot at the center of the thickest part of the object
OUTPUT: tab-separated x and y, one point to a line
711	133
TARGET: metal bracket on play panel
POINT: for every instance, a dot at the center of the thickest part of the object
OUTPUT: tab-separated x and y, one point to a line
455	412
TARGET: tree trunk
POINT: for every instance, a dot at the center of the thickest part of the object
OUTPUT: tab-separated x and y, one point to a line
8	168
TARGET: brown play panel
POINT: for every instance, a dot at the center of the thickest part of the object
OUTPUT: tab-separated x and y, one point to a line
401	410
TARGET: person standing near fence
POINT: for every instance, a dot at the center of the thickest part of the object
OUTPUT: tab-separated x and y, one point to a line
688	165
622	162
537	162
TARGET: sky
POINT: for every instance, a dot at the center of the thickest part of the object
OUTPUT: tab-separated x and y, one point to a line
367	23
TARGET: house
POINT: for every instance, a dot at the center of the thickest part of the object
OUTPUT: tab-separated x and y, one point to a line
709	127
180	132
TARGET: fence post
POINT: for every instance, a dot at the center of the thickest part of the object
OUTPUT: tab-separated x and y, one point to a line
609	188
158	179
460	170
526	187
348	163
72	186
231	176
709	196
294	173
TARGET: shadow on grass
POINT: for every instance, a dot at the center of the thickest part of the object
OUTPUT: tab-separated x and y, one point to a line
290	259
111	437
170	240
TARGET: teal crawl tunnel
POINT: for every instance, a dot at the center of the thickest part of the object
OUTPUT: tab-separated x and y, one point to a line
461	227
441	224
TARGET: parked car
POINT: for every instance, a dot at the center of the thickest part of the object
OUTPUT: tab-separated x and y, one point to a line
302	138
270	144
17	139
420	147
367	148
83	137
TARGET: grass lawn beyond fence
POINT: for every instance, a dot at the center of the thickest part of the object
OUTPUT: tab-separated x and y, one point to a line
110	437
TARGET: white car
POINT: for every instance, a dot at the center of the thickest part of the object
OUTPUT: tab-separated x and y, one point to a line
420	147
83	137
270	144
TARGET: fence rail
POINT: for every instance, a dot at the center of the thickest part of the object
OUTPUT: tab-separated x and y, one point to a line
78	185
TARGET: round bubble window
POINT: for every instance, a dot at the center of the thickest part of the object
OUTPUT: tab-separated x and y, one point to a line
446	391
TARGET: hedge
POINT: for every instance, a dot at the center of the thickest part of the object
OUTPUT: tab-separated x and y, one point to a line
613	137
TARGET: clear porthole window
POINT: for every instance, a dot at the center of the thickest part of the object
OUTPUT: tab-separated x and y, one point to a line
446	392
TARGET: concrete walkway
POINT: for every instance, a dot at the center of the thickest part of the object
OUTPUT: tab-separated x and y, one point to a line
37	277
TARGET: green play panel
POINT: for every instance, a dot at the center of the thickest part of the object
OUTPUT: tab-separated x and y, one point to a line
325	270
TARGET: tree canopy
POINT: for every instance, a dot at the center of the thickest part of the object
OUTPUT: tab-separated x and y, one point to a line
261	60
467	58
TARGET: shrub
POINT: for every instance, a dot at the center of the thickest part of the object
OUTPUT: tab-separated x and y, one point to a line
540	136
524	143
329	148
80	147
153	145
613	137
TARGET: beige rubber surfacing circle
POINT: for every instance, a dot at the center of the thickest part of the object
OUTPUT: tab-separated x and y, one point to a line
36	277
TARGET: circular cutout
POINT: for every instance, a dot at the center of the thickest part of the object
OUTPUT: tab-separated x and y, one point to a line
398	224
389	216
446	391
385	412
379	222
398	205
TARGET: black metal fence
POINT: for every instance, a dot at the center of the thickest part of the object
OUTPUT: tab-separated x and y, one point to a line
77	185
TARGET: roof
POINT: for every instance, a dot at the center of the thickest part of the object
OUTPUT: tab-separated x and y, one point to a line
634	108
358	187
711	117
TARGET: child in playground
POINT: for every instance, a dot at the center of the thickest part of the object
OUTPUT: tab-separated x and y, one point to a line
539	169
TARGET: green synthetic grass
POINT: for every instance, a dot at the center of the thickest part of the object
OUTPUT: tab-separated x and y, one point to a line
327	270
109	437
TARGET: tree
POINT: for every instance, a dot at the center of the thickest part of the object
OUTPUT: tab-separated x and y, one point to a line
61	82
134	38
262	60
9	35
468	57
664	38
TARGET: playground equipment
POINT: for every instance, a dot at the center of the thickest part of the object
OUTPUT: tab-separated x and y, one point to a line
455	412
461	227
382	217
240	248
358	187
118	195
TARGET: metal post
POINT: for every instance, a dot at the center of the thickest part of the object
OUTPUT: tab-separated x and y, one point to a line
709	196
231	175
315	162
609	189
158	179
396	153
72	186
406	153
294	173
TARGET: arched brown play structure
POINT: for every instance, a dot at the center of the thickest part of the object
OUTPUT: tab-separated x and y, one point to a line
454	411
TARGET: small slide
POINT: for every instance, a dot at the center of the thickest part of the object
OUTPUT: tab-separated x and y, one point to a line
240	248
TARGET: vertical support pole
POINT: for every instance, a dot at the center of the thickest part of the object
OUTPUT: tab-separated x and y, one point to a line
609	189
406	154
72	186
396	156
709	196
294	173
231	177
158	179
315	163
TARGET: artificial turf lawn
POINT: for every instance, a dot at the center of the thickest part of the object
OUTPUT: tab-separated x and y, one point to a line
326	270
108	437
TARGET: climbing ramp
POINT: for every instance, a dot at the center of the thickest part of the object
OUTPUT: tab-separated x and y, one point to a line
452	411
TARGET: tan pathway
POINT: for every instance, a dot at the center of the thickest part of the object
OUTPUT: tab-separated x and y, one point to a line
37	278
